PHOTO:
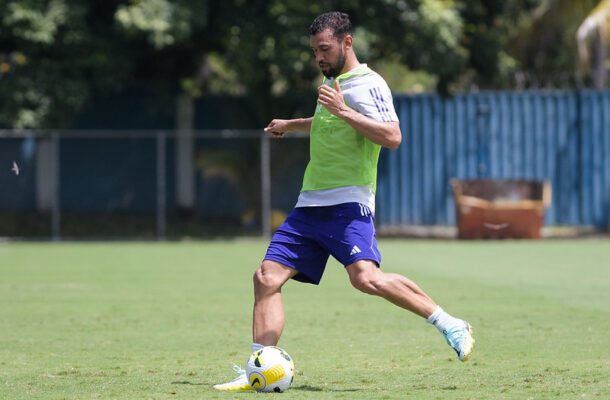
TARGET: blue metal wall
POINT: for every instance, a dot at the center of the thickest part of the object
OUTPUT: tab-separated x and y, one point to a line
563	137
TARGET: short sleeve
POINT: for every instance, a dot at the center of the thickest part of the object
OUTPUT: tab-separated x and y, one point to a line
374	100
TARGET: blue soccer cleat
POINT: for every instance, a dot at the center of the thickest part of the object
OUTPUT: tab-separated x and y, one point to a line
459	337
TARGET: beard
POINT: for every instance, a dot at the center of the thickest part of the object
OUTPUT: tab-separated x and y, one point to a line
335	69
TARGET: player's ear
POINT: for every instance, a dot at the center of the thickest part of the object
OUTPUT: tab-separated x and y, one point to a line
348	40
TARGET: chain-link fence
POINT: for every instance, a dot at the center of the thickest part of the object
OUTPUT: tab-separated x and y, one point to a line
147	184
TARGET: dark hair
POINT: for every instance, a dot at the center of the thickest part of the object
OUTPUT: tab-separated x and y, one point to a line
336	21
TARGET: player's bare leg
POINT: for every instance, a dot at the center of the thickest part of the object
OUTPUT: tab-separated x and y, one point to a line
268	314
368	278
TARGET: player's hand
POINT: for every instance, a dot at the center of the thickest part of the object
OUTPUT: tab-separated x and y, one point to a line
277	127
332	99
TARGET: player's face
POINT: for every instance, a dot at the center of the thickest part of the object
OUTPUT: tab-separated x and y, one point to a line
329	52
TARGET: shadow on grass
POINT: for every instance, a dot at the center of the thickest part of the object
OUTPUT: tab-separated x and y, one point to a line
304	388
308	388
190	383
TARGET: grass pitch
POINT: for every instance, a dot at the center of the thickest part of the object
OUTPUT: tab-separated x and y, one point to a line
168	320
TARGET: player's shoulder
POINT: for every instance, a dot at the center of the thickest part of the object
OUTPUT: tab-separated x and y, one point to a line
368	93
365	79
373	75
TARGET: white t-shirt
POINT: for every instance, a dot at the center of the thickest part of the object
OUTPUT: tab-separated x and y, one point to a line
370	95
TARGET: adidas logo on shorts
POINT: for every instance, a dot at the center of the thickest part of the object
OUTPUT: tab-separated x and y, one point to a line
355	250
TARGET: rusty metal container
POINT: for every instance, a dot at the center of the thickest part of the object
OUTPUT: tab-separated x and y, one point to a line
500	208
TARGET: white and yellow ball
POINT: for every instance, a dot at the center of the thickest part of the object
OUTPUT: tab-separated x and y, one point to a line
270	369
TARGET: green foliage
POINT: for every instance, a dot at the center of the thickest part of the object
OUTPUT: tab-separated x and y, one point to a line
57	56
165	23
38	25
545	45
162	47
488	28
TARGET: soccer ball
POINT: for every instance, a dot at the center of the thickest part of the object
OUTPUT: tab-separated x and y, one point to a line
270	369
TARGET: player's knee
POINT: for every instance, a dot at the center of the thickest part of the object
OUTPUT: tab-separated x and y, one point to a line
364	282
369	283
265	280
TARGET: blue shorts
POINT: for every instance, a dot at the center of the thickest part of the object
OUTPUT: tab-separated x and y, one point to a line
310	234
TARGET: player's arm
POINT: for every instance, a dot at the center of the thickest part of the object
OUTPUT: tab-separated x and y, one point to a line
278	127
386	134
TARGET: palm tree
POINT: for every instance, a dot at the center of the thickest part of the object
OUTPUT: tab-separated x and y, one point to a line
548	55
595	26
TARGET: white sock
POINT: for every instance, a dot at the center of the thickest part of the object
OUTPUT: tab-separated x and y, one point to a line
256	347
441	320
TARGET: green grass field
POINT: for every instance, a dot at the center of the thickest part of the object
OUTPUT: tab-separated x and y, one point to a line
168	320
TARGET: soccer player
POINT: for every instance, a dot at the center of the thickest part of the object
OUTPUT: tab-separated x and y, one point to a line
353	118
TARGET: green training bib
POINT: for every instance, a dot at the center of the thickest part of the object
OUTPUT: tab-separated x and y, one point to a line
339	155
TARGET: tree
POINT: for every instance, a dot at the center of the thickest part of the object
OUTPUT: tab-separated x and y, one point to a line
595	25
488	27
546	46
56	56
